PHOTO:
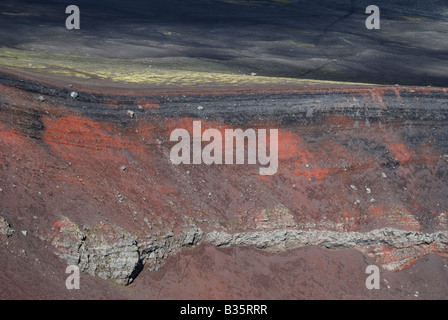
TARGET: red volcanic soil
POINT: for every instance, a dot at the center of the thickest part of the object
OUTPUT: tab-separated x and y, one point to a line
349	160
308	273
207	272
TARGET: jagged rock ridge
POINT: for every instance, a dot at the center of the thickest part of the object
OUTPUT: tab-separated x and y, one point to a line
115	254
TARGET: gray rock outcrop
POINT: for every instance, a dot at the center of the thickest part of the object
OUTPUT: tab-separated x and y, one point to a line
115	254
5	227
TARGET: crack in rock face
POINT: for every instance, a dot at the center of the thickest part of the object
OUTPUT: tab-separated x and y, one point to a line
112	253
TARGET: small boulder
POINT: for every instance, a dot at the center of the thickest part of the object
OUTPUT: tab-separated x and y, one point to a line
5	228
74	94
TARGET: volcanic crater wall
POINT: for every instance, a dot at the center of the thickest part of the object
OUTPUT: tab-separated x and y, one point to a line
361	167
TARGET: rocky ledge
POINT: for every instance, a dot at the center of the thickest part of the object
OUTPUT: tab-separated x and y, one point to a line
110	252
